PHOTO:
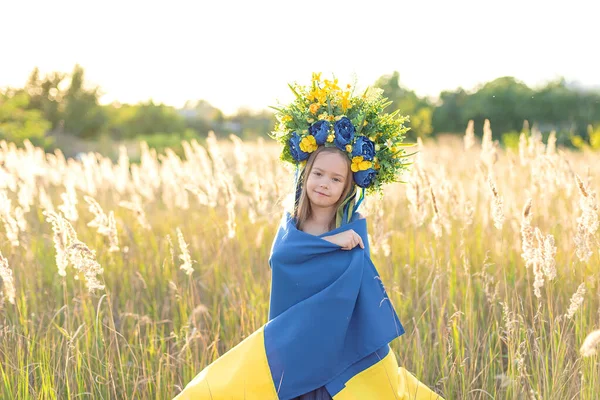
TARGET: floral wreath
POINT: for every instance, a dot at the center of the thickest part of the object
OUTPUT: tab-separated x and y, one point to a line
322	114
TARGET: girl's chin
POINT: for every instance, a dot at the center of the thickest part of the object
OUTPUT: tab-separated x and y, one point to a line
321	200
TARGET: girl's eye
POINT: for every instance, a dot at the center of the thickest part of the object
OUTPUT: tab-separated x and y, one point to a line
336	179
318	173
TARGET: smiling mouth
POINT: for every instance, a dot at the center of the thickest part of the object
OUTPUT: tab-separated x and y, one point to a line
322	194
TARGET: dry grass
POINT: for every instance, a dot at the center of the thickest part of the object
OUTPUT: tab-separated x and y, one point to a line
497	302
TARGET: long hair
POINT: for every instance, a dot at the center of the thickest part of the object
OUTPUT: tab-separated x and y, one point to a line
302	209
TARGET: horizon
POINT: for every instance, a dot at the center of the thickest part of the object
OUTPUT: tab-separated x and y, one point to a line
137	51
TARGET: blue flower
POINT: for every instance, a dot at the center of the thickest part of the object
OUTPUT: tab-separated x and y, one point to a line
320	130
365	178
364	147
344	133
297	153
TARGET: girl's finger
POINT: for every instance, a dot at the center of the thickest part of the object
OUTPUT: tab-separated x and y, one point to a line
358	240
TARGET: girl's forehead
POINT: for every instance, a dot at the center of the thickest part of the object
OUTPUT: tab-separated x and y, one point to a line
333	162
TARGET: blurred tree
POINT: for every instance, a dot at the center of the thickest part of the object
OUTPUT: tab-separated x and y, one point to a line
202	117
247	123
18	122
128	121
419	110
567	109
82	114
448	115
46	95
73	109
505	101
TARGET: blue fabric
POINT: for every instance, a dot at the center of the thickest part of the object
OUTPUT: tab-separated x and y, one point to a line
329	312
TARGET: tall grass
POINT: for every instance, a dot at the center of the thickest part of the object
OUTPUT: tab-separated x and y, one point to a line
179	250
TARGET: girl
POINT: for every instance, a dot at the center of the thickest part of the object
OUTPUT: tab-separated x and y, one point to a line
330	319
326	182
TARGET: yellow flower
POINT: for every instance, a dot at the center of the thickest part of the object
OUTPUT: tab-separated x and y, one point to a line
316	76
365	123
330	138
349	148
318	94
345	101
377	166
360	164
310	120
322	116
331	118
308	144
329	85
286	118
314	107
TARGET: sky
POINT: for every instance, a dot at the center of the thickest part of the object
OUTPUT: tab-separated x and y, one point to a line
243	53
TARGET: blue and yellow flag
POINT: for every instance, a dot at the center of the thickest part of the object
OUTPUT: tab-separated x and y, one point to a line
330	324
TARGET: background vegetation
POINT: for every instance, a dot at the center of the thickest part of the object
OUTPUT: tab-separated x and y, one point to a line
61	110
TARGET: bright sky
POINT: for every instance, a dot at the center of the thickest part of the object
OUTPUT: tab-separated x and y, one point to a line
243	53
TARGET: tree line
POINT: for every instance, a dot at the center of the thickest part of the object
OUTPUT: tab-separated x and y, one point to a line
65	103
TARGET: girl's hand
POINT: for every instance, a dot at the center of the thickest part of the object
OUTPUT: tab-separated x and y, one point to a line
347	239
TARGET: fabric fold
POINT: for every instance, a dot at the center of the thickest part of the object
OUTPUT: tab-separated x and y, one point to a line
327	312
330	324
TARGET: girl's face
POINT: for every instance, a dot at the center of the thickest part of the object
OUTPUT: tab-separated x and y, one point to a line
327	180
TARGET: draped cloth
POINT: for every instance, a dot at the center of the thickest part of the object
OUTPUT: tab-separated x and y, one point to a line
330	324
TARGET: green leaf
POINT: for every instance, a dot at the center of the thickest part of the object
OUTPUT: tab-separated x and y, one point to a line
405	144
407	155
360	125
277	109
295	92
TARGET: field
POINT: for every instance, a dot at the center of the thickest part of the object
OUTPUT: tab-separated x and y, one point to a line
123	280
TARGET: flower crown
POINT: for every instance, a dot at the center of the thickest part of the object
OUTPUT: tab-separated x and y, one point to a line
323	114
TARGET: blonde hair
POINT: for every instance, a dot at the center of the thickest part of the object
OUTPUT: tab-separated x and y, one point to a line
302	210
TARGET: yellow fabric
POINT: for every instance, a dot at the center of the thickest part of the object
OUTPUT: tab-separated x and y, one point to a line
241	373
386	381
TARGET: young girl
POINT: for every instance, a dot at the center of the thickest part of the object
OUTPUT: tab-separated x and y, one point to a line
327	181
330	319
